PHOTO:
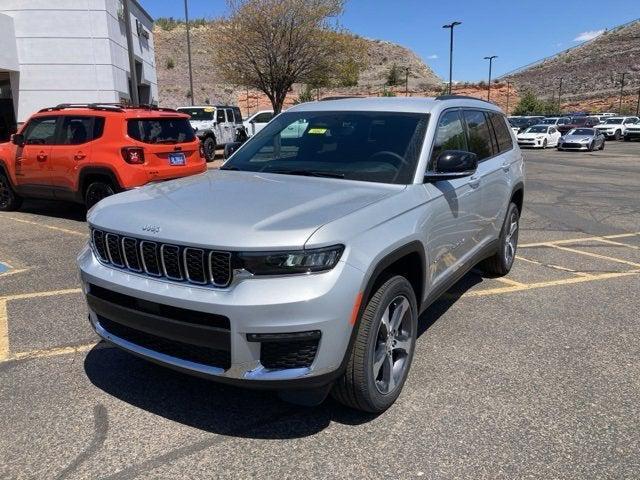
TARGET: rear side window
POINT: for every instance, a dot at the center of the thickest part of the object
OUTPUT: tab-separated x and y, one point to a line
160	130
40	131
503	136
198	113
237	114
449	134
263	117
480	138
220	116
79	130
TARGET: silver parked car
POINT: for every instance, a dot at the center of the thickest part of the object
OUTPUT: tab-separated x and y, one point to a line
303	264
582	139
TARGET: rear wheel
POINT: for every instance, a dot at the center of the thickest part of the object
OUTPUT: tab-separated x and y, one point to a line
617	135
380	359
209	147
96	191
9	200
590	147
502	261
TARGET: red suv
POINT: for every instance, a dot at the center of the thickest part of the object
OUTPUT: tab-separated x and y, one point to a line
85	153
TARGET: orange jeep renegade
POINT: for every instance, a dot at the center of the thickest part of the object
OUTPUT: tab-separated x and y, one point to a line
85	153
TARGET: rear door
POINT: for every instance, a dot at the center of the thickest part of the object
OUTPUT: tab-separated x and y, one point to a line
169	144
72	151
260	121
32	160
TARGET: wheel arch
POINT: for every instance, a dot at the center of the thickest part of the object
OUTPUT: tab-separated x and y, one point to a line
89	174
517	196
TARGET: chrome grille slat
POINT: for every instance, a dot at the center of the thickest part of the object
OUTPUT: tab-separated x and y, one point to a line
163	260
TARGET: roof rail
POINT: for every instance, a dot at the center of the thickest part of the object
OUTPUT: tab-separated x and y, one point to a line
339	97
465	97
107	107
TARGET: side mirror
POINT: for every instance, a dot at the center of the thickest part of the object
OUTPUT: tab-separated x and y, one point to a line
230	148
452	164
17	139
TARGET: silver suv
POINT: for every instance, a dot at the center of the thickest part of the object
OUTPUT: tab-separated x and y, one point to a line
303	264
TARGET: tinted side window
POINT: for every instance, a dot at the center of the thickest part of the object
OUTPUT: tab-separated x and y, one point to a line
160	130
502	132
78	130
263	117
220	116
449	134
41	131
230	115
237	114
478	133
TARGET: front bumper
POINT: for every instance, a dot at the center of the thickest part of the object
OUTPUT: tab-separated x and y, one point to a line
320	302
632	134
531	143
573	146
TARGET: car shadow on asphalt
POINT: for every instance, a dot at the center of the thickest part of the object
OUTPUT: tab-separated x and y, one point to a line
55	209
223	409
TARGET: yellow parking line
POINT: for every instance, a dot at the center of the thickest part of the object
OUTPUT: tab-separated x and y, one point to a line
620	244
508	281
596	255
552	283
13	272
4	331
577	240
53	352
23	296
555	267
50	227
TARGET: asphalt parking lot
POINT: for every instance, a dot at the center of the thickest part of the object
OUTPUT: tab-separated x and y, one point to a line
534	375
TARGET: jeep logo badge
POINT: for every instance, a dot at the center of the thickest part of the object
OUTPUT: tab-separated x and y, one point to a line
151	228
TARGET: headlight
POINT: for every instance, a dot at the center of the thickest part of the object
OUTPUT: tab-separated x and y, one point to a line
585	139
298	261
539	137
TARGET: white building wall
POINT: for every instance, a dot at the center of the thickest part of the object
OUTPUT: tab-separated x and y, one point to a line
75	51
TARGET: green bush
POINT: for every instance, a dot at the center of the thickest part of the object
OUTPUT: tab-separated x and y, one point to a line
170	63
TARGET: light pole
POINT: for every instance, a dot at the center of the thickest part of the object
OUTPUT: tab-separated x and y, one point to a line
509	83
186	22
490	64
451	26
638	104
623	74
406	82
559	96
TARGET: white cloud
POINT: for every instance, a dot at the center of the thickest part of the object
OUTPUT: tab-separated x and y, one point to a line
433	57
590	35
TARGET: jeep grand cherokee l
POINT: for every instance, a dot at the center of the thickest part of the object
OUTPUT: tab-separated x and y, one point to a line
332	240
85	153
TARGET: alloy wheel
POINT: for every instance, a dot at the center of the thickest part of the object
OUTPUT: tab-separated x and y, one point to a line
511	239
393	345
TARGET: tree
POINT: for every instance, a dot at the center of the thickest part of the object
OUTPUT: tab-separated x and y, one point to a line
272	44
393	77
528	105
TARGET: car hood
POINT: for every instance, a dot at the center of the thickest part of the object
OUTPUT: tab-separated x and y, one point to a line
236	210
530	135
607	126
575	138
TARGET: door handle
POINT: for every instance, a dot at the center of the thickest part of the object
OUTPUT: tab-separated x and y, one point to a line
506	166
79	156
474	181
41	157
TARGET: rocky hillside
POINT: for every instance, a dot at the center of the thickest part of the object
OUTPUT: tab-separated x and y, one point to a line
173	74
589	72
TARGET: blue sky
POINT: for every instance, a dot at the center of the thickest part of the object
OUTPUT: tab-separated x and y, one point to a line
518	31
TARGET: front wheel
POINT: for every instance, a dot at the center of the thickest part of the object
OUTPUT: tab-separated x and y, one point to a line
96	191
209	147
502	261
9	200
381	356
544	144
617	135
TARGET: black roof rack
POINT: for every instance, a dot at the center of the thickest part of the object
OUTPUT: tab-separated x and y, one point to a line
339	97
465	97
107	107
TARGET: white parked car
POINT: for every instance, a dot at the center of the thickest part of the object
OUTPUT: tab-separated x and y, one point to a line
539	136
555	121
615	127
257	121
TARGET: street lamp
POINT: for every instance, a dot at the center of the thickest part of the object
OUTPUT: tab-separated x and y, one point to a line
451	27
490	64
509	83
186	22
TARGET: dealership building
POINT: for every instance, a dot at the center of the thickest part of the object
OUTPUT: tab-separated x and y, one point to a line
71	51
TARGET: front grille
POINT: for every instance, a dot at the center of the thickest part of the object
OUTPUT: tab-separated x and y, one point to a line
173	262
191	353
290	354
572	145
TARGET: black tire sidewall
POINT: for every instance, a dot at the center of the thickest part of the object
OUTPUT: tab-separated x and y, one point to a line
505	226
99	187
206	145
395	286
14	201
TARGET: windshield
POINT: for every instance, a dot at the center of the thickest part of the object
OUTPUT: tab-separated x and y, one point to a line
613	121
537	129
582	131
578	120
549	121
369	146
199	113
161	130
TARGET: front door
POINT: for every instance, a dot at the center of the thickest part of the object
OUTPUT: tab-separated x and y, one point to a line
32	162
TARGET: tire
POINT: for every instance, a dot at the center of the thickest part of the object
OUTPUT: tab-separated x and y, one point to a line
590	147
544	144
500	264
617	136
360	387
601	146
97	191
9	200
209	147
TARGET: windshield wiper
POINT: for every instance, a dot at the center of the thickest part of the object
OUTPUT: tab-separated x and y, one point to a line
308	173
